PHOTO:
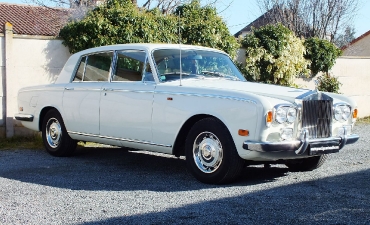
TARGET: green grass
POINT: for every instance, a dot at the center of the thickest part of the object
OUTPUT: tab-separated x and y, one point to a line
20	142
35	142
364	120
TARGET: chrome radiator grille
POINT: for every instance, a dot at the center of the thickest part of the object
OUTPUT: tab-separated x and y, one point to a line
317	117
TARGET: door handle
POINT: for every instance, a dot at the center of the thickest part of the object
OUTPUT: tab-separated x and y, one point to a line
107	89
68	89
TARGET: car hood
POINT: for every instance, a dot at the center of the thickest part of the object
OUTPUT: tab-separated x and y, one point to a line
273	91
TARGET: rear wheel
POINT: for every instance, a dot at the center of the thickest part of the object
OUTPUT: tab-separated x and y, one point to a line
56	140
211	155
306	164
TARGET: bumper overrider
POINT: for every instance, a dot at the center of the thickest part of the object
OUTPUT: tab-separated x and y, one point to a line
304	145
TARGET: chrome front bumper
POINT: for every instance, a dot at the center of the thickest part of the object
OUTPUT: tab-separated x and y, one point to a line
24	117
300	147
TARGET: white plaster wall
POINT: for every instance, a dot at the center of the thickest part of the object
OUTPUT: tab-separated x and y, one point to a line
2	81
359	48
354	74
240	56
2	84
35	62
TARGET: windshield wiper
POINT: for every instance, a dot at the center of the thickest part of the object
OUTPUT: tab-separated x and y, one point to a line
218	74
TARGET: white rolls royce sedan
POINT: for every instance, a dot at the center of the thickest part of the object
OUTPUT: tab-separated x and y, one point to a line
186	101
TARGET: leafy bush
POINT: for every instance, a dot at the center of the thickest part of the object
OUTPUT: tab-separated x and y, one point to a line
322	54
202	26
120	22
274	55
328	83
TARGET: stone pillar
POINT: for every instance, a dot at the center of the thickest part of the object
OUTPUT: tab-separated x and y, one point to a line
8	38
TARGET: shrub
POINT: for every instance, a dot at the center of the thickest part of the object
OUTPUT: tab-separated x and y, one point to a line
328	83
322	55
274	55
120	22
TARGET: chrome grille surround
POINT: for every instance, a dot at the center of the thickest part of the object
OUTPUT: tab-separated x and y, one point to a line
317	114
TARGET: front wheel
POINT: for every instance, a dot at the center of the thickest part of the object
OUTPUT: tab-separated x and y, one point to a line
211	155
56	140
306	164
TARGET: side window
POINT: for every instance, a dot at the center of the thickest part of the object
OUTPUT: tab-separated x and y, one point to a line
97	67
130	66
80	70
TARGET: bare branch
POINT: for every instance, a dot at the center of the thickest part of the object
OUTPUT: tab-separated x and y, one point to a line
309	18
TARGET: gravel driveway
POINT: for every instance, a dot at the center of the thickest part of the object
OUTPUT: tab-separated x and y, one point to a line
116	186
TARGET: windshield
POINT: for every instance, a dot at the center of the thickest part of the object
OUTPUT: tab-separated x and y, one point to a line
195	64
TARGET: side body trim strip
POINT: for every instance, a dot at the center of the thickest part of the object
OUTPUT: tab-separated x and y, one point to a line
207	96
120	139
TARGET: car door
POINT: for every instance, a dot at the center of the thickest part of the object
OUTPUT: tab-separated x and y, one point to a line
82	96
126	102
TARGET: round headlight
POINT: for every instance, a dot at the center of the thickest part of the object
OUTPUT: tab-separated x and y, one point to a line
291	115
342	112
337	113
346	112
281	115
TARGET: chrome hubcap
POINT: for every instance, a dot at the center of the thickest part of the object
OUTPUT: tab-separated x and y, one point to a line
207	152
53	132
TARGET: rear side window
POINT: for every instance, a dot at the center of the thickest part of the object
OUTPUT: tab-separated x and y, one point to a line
80	70
94	67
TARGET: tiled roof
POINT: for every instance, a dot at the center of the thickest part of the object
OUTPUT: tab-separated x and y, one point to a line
33	20
257	23
356	40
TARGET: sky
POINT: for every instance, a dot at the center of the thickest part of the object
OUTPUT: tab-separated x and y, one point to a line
239	13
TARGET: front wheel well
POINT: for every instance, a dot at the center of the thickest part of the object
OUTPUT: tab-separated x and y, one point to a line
179	146
42	115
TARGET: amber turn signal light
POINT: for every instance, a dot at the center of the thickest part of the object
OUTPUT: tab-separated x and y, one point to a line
269	117
354	114
243	132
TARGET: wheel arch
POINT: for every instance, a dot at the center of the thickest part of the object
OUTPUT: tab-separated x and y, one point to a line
179	146
43	113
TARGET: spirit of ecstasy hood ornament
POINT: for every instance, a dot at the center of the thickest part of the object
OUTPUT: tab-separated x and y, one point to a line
316	85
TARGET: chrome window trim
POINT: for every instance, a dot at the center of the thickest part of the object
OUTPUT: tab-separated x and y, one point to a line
83	75
151	54
76	68
87	56
120	139
110	67
115	63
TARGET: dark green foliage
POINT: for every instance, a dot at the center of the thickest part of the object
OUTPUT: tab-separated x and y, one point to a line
244	71
328	83
202	26
273	38
322	54
120	22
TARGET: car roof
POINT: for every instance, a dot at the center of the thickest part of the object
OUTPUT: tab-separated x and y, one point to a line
142	46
